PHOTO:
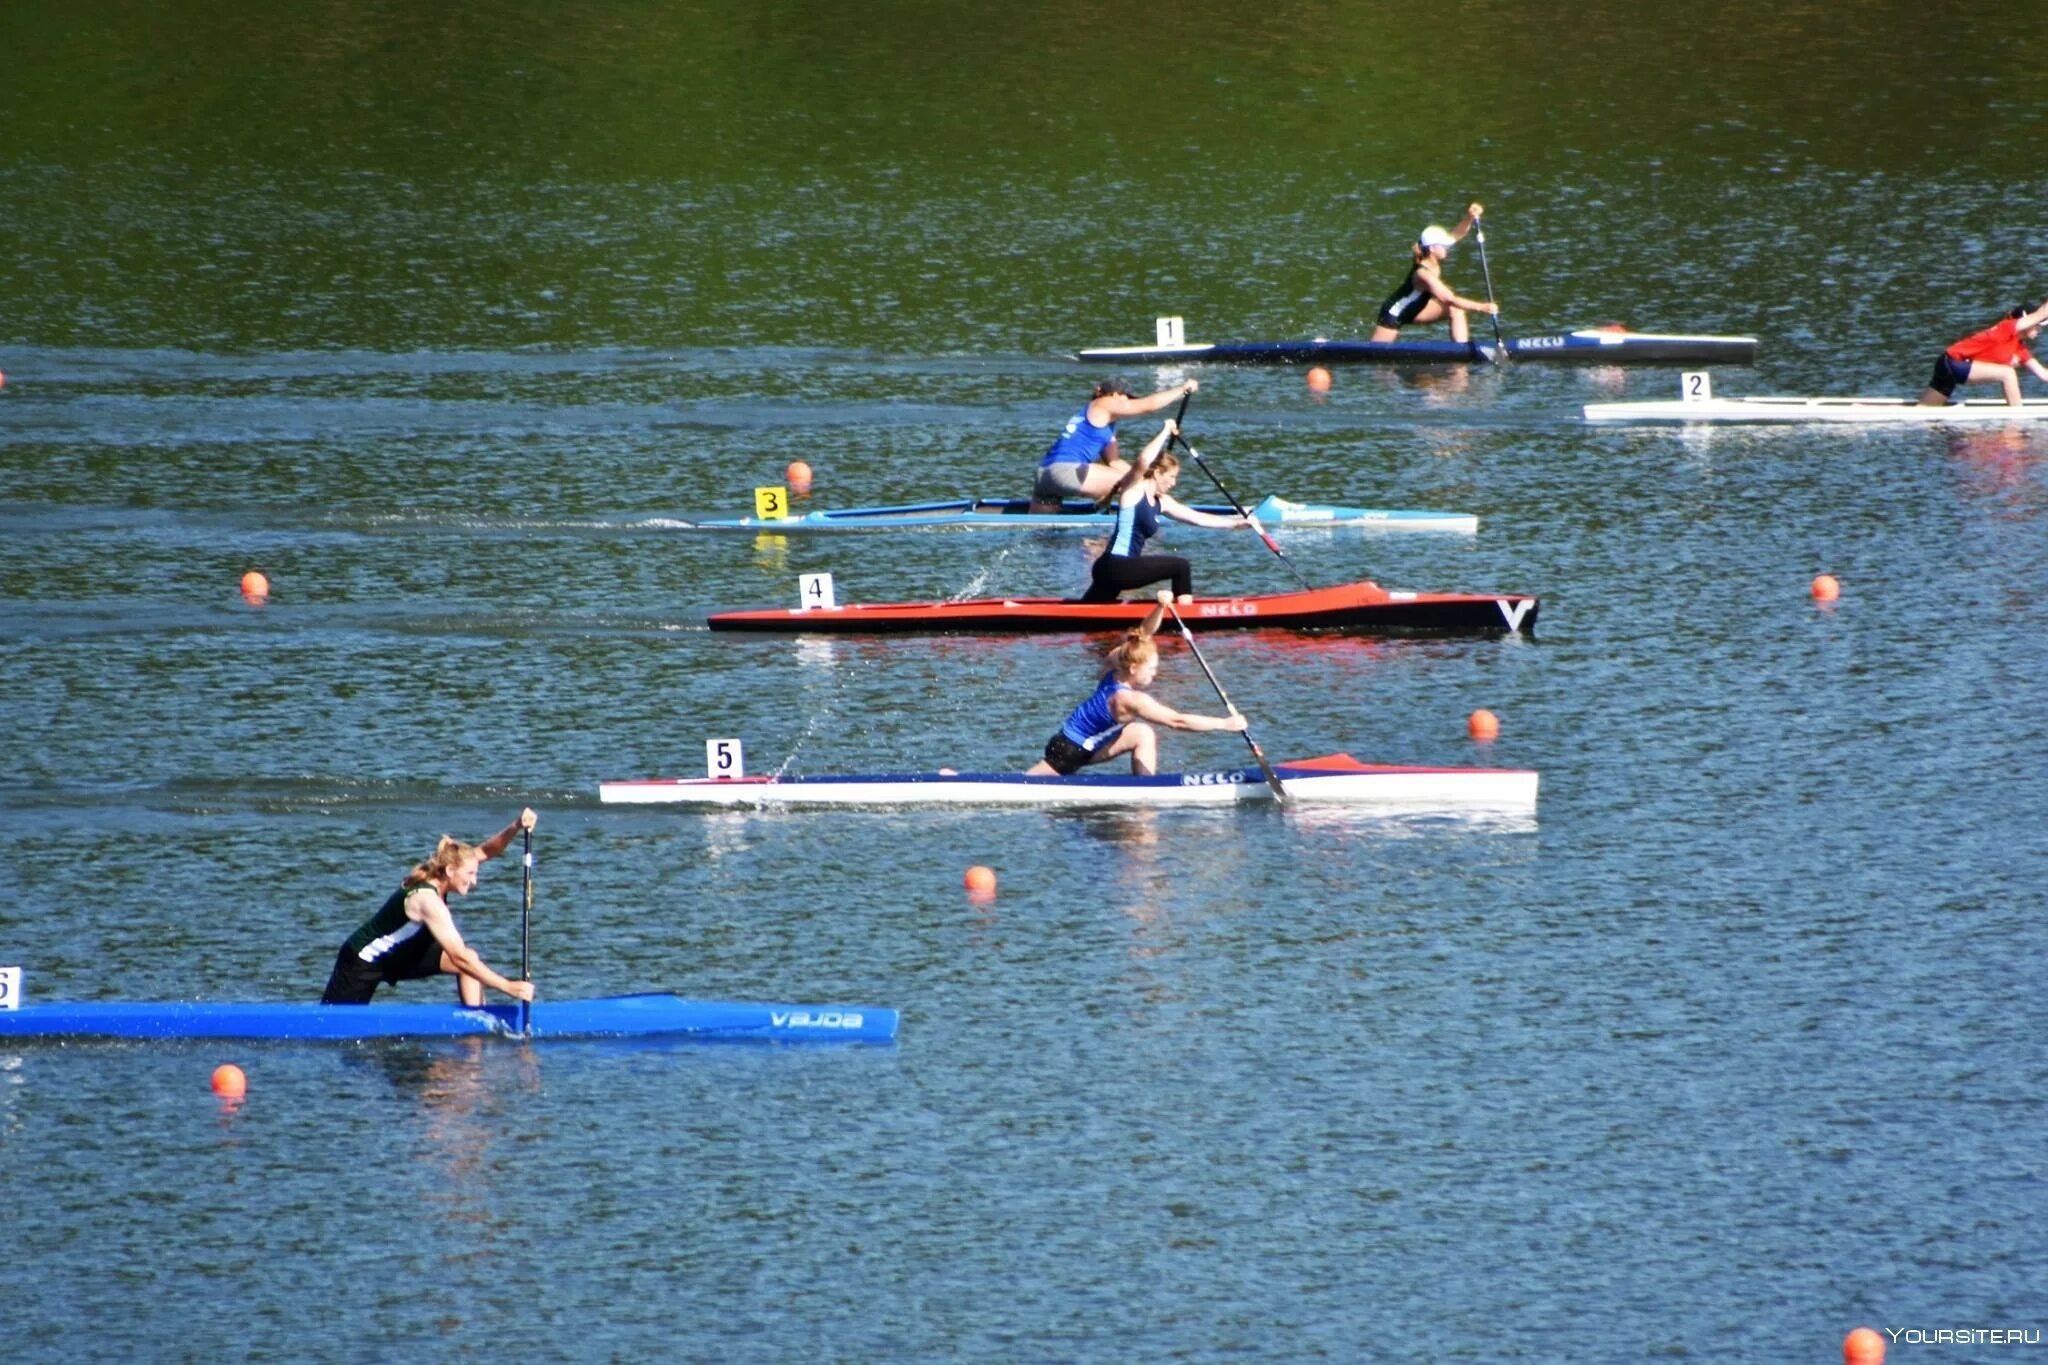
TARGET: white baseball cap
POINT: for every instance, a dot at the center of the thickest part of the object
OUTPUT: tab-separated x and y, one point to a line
1436	236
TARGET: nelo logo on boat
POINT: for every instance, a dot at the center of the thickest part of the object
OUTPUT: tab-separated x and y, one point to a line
1211	779
1228	609
806	1019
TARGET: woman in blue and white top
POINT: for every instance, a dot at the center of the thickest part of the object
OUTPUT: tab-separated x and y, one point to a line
1118	718
1147	494
1083	462
1422	295
413	935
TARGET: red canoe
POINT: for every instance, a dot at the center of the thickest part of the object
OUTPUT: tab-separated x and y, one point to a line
1355	606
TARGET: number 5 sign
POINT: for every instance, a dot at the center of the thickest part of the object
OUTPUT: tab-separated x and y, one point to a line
723	758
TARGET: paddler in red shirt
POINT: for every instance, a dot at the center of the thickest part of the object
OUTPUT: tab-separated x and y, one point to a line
1992	356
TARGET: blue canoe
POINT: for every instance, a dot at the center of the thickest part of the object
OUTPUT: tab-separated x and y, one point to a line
617	1016
1590	346
1015	514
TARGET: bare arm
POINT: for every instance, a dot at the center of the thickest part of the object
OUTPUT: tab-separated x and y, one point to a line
1145	459
1180	511
432	912
1129	705
1450	298
496	845
1114	407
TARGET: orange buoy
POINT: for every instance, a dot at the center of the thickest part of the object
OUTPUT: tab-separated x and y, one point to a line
1826	588
980	880
1864	1346
255	584
229	1082
1483	724
799	476
1318	380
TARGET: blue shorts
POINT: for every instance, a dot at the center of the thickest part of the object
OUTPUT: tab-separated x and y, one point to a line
1948	372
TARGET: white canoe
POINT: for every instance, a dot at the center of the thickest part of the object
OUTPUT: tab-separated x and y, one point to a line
1334	779
1975	412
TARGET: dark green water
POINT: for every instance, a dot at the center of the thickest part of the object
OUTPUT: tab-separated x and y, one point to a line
444	316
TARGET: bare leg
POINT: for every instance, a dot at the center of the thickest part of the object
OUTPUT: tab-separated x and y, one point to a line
1933	398
1461	330
468	989
1141	742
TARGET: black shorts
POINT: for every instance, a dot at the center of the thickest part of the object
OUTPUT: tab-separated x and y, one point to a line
1947	374
1066	757
355	982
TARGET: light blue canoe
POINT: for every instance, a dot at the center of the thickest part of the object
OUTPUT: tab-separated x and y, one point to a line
618	1016
1015	514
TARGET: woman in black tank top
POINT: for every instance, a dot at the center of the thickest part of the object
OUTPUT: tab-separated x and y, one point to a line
1423	296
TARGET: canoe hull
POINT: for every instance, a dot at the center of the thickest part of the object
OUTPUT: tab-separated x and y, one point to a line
1335	779
1590	346
1015	514
621	1016
1349	606
1857	411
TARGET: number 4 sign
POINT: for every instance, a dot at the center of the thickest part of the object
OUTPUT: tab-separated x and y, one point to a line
723	758
814	590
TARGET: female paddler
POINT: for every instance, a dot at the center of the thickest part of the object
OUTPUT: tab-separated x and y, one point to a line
1147	493
413	935
1119	717
1992	356
1423	296
1083	462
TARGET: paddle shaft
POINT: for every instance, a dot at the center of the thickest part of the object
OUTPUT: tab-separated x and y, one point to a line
1231	497
1272	778
526	925
1500	347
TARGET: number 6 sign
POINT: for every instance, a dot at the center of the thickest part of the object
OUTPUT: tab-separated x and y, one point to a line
10	988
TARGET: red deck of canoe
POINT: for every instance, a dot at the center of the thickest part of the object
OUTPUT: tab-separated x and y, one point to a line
1345	606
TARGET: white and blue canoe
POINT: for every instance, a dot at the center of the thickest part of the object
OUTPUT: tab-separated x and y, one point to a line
1587	346
1015	514
1856	411
1333	779
618	1016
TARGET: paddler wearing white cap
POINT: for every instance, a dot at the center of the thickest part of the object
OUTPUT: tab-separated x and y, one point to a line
1423	296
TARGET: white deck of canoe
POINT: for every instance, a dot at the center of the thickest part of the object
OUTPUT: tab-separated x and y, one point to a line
1392	788
1976	411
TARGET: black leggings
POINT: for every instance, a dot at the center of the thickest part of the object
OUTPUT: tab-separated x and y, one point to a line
1114	574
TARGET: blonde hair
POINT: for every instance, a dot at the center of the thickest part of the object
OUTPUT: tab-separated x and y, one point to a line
449	852
1133	653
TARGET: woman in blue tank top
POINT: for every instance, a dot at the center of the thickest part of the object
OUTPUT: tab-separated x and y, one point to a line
1123	564
1423	296
1118	717
1083	462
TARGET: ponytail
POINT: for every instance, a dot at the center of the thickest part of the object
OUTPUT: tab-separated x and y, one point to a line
1132	653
